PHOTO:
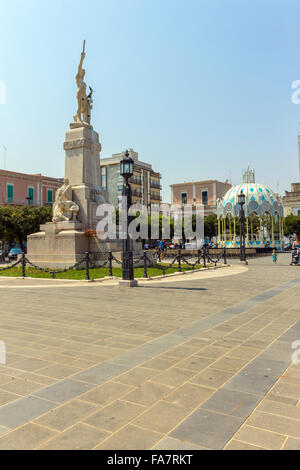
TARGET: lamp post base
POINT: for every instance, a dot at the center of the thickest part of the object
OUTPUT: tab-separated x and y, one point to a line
125	283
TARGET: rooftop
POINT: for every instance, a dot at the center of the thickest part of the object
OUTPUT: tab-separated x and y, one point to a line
200	182
37	176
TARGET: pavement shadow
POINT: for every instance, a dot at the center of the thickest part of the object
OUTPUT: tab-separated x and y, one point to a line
172	287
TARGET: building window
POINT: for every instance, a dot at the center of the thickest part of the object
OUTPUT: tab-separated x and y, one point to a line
103	177
49	196
183	198
30	195
204	198
10	192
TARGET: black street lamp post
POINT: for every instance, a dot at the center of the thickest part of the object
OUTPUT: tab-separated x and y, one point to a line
126	170
241	201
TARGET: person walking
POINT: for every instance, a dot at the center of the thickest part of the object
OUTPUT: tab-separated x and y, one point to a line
274	257
296	249
162	249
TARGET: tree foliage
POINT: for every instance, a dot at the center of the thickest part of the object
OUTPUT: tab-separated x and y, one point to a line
291	225
18	222
210	226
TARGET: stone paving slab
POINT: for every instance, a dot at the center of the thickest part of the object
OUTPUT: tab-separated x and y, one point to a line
207	428
239	397
156	356
23	410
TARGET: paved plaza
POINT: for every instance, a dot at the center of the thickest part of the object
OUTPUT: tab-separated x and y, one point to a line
200	361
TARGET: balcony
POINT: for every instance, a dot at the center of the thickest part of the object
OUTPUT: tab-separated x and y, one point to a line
136	193
155	184
135	180
155	197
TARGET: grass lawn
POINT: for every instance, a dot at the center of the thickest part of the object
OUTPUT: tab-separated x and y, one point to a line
94	273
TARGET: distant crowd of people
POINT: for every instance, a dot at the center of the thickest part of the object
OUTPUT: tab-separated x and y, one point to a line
163	245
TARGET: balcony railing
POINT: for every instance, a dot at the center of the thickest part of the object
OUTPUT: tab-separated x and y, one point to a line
135	180
136	193
154	184
155	197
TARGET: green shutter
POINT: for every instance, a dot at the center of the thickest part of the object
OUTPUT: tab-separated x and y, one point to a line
49	196
31	195
10	193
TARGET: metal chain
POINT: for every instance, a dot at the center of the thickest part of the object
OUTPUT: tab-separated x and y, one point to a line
141	258
209	258
117	261
39	268
94	266
163	268
204	253
11	266
190	264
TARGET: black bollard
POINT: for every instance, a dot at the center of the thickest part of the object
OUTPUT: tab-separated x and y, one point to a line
145	264
87	266
23	264
110	258
198	255
179	260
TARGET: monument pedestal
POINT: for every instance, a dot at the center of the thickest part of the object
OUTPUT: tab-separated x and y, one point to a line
124	283
62	244
82	169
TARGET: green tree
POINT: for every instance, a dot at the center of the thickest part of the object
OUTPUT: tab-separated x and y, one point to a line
210	225
18	222
291	225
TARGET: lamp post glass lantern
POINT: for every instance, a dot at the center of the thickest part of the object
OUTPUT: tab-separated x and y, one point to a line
126	170
241	201
126	166
241	198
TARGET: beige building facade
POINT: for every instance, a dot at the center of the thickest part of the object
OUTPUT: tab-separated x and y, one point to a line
199	192
291	200
145	182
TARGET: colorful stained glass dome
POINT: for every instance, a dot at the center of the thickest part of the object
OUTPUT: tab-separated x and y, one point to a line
259	199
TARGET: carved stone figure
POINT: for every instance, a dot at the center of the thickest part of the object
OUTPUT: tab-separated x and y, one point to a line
84	102
64	209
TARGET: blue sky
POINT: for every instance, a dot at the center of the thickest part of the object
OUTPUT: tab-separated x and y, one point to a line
200	88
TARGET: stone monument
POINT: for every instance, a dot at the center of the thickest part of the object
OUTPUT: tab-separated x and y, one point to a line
63	241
